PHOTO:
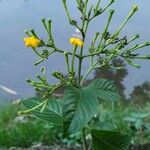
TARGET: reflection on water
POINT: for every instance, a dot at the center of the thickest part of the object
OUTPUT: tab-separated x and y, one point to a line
16	61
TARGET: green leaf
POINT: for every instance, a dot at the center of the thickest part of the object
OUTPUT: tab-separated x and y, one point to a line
52	112
79	106
104	89
109	140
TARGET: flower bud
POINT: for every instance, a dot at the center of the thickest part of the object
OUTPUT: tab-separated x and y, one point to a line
137	35
112	1
112	11
43	20
135	8
58	75
147	43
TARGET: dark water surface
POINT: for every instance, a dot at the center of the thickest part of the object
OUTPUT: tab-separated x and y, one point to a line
16	61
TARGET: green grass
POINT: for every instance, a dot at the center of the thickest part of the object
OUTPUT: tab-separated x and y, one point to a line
23	134
115	115
35	131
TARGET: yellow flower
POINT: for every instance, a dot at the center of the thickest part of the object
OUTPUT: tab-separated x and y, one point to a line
76	41
32	42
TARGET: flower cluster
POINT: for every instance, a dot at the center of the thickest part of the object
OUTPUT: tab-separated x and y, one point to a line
76	42
32	42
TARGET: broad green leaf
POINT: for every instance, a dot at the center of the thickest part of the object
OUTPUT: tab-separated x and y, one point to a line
109	140
79	106
52	113
104	89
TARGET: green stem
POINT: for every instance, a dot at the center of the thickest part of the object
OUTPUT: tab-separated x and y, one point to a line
91	61
40	55
62	51
95	67
67	61
79	70
131	13
107	6
67	12
88	72
85	76
111	12
133	38
138	47
93	54
73	59
81	52
85	146
142	57
29	110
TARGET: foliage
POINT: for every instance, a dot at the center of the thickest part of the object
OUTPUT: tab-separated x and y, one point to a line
137	122
116	75
125	117
79	104
36	131
109	140
52	113
23	134
141	93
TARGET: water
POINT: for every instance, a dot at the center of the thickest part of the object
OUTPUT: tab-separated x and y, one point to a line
17	61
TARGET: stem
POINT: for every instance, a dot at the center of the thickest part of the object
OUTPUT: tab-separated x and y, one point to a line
91	61
69	53
69	17
79	70
29	110
88	72
131	13
107	6
101	11
81	52
95	67
73	59
84	25
142	57
67	12
80	59
37	52
85	146
138	47
93	54
85	76
133	38
111	12
67	61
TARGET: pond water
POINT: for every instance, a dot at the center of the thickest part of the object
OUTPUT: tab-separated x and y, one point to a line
17	61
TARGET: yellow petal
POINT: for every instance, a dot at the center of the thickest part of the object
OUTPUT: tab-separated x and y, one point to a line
32	42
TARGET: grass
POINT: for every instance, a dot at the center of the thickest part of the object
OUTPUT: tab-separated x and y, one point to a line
34	131
115	115
26	134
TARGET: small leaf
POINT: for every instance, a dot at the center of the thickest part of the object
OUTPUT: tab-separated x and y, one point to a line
104	89
52	112
109	140
79	106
